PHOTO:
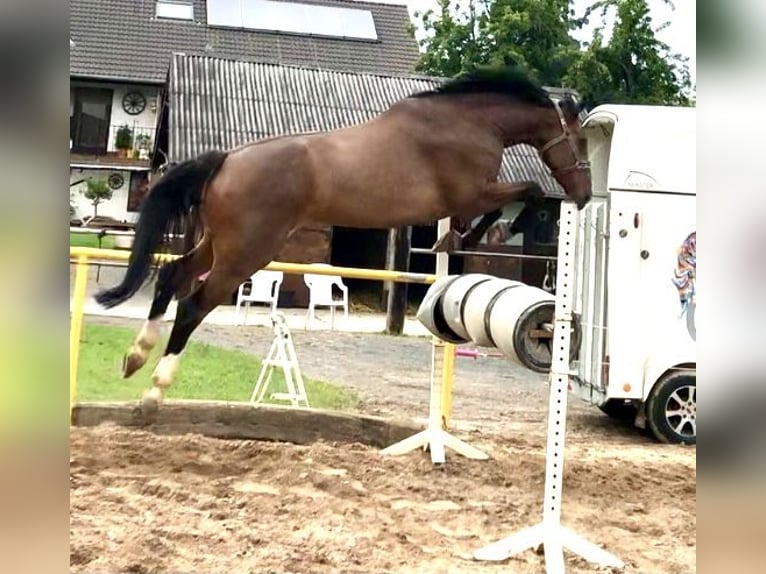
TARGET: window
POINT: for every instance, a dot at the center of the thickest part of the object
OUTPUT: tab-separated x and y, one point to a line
89	120
292	17
175	9
139	187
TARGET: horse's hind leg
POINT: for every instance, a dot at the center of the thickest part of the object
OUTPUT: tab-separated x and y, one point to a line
217	288
173	279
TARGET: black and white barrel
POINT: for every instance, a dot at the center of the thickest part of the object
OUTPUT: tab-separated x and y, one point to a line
520	323
487	311
455	298
431	311
477	306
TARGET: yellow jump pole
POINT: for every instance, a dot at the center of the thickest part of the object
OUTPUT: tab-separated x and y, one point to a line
291	268
435	437
75	326
448	379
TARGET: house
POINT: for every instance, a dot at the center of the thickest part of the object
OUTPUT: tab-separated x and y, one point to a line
120	50
214	102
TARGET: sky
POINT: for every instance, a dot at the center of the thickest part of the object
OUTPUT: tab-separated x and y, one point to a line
681	35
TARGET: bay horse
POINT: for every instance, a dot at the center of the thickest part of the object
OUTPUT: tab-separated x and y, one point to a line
431	155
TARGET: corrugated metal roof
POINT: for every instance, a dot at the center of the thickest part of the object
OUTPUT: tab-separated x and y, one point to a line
221	103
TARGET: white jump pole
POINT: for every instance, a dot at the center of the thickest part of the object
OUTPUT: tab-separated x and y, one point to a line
434	437
550	532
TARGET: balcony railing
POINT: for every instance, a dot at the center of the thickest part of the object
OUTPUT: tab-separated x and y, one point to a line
138	142
138	139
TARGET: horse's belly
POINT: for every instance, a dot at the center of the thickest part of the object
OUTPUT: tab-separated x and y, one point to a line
378	209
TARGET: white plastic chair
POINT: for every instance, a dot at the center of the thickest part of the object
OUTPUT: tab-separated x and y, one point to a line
262	287
321	294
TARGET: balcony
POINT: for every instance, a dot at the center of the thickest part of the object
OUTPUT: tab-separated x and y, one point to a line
115	145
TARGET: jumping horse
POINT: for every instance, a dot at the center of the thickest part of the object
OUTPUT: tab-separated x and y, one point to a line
431	155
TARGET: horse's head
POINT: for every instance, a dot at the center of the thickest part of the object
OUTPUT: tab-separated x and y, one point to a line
559	149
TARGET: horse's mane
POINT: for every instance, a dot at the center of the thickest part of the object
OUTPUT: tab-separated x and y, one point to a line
507	81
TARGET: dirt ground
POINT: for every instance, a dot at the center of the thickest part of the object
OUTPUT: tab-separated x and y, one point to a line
146	503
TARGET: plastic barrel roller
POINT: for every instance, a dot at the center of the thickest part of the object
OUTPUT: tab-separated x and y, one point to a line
431	312
475	309
455	296
520	324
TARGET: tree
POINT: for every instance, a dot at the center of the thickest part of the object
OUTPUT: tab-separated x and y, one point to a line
97	191
634	66
534	35
454	42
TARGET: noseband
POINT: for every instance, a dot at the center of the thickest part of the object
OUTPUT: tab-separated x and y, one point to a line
566	136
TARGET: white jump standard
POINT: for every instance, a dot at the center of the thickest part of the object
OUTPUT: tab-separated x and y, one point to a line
550	532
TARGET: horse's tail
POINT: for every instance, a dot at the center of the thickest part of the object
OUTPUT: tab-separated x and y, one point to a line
176	193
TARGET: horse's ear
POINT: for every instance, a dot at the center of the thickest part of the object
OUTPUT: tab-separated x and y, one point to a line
569	106
572	107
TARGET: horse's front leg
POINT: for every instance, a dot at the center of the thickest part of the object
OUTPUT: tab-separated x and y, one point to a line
494	196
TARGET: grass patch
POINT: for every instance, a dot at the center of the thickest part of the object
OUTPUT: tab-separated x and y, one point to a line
90	240
206	372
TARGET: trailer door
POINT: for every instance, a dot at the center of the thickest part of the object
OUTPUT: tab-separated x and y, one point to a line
625	304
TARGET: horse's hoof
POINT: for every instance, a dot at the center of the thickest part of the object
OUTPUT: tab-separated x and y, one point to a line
450	241
150	401
131	362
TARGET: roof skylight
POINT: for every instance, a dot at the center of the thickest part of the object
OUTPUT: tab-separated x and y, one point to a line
175	9
292	17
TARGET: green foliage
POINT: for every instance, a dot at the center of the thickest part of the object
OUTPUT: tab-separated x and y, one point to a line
633	66
533	34
97	191
124	137
455	42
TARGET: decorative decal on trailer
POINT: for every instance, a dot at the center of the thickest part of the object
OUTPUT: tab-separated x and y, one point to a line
684	276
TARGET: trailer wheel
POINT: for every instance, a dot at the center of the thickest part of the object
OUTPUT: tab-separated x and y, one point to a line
619	409
671	409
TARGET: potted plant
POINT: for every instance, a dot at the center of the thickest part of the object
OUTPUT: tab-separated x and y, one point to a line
143	143
123	140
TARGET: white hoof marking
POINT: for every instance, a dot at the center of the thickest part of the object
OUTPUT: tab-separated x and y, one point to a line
152	397
165	371
149	334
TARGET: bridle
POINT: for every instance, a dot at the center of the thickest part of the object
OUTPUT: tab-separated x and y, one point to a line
566	135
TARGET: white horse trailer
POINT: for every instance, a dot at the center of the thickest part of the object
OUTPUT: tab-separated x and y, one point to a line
635	268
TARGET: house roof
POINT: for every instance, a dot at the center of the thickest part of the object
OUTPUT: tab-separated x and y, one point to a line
122	40
222	103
